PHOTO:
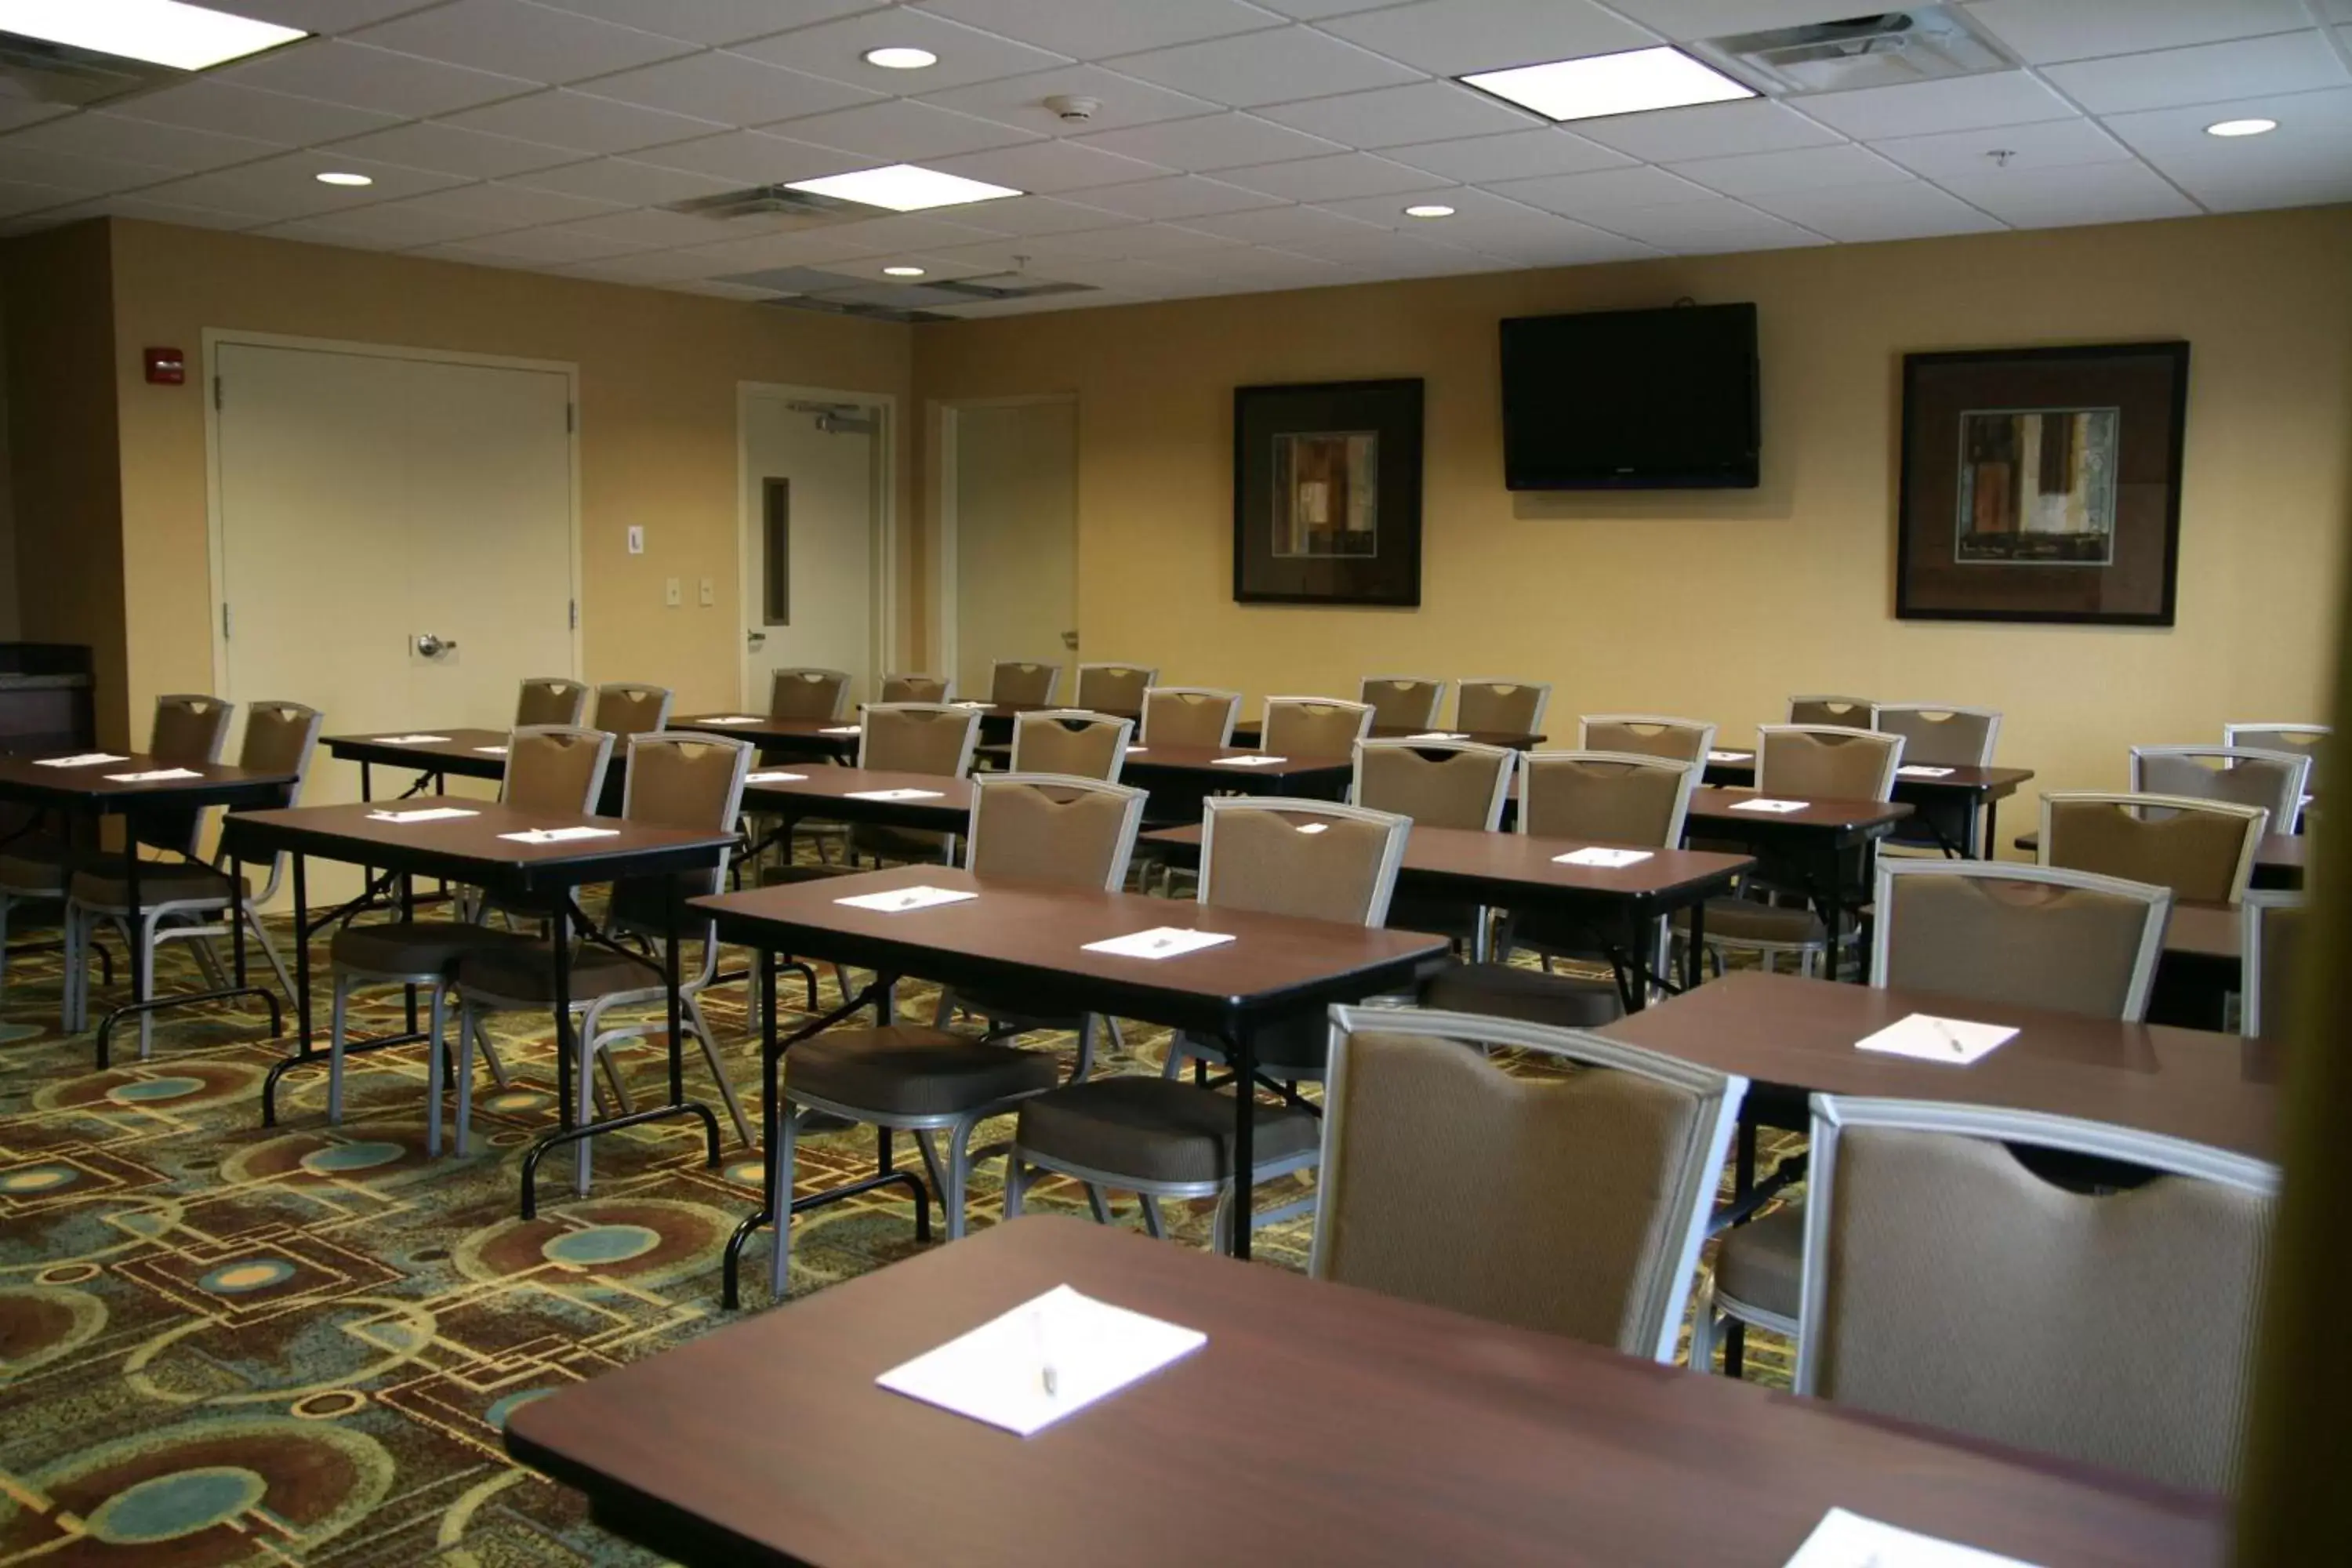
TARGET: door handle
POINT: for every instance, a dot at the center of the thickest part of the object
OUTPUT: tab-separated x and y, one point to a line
1070	640
756	639
432	646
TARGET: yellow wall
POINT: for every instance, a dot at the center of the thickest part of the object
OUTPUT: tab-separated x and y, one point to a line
1719	606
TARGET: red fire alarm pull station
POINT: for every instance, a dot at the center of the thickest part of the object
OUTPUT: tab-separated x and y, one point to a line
166	367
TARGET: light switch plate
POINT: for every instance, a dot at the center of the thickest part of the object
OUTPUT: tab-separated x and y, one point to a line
709	595
636	539
670	594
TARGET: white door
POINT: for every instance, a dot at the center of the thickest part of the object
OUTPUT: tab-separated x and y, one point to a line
1016	520
812	494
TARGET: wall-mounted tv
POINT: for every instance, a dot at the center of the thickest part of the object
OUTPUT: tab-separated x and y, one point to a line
1630	400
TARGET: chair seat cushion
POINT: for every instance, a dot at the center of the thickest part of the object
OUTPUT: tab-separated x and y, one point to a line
907	1071
101	883
1762	1263
36	864
1506	991
415	947
1155	1129
1439	917
1745	919
525	971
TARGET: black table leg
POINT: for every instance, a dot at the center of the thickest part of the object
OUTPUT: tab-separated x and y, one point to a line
301	951
1743	1181
408	913
236	920
367	782
670	978
1242	1043
1989	846
1695	948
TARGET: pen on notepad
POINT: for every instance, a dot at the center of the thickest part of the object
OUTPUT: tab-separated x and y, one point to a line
1045	1375
1951	1039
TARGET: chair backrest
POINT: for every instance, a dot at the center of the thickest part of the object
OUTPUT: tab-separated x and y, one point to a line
1613	797
2295	740
1946	1283
916	688
1189	716
1115	688
1312	859
625	708
2269	949
1576	1206
1937	735
1044	827
1313	726
1646	735
2202	849
1438	783
812	694
1852	711
683	778
2275	781
1409	700
1489	705
189	728
1071	743
1825	762
917	738
2034	935
555	769
280	737
550	702
1027	682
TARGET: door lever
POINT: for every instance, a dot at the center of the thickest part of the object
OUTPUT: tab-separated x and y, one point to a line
432	646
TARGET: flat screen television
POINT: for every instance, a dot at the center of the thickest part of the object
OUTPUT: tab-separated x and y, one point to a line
1630	400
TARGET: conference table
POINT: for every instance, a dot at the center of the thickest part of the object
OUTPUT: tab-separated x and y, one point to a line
1248	734
435	756
1318	1424
1959	804
2279	859
815	739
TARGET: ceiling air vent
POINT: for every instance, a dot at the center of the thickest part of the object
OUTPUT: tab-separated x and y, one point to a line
1884	48
34	71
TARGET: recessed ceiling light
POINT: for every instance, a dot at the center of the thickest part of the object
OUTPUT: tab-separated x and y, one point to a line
337	177
1428	209
904	188
902	59
2241	127
1626	83
162	32
902	272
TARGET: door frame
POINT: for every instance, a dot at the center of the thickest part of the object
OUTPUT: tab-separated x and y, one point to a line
944	438
215	525
882	636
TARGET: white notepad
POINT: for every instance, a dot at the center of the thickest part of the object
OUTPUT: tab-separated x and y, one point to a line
1954	1041
1438	735
155	776
892	795
411	739
1160	942
1038	1362
1139	751
839	729
561	835
775	778
898	900
967	703
1728	756
86	760
491	751
1256	760
1918	771
1774	806
734	719
1595	856
422	814
1845	1540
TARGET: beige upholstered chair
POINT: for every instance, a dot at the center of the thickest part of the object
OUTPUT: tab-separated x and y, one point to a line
1937	735
553	770
550	702
1313	726
184	900
1188	716
1438	783
1163	1138
2202	849
2275	781
1575	1205
916	689
1850	711
913	738
1944	1283
2295	740
1072	832
1491	705
1071	743
1024	683
2270	947
676	780
1115	688
625	708
816	695
1646	735
1402	701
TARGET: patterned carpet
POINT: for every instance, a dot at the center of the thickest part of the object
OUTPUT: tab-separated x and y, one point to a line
221	1344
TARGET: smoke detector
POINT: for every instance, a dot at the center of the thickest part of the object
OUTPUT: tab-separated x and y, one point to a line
1073	111
1881	48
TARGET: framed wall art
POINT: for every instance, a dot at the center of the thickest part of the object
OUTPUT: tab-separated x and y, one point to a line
1327	493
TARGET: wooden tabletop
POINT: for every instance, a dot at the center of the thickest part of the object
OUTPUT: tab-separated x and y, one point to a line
2286	854
836	735
472	844
1716	807
1995	783
946	806
1248	734
1800	1035
95	784
1211	761
457	751
1318	1425
2205	931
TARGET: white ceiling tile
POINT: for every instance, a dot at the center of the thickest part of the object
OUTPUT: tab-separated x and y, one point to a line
2306	161
510	206
644	225
381	80
1707	131
716	290
1798	169
1567	243
1211	142
1861	214
1708	228
17	112
150	209
715	21
394	224
626	182
17	196
286	186
92	134
452	150
1124	101
745	158
1389	254
1449	37
564	117
1096	28
2085	193
75	174
907	231
551	245
466	255
1602	191
731	89
1048	166
937	264
966	55
1179	196
1472	207
1314	10
643	266
1276	225
1923	109
521	39
1266	68
1134	242
985	309
2206	73
1394	116
759	252
2040	31
1334	178
1520	155
205	104
1150	280
900	131
2046	144
324	16
1038	216
1683	20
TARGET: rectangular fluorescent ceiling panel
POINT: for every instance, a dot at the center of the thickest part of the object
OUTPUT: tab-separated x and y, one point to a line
1627	83
904	188
162	32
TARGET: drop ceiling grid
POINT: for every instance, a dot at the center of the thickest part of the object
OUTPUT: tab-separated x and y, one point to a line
1239	145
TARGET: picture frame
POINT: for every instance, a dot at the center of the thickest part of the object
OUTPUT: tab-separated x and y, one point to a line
2042	484
1327	493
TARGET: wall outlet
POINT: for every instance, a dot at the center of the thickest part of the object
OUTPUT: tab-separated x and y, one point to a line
636	539
709	594
670	596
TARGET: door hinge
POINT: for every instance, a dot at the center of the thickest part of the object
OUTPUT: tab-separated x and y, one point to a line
217	393
575	614
223	620
571	418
